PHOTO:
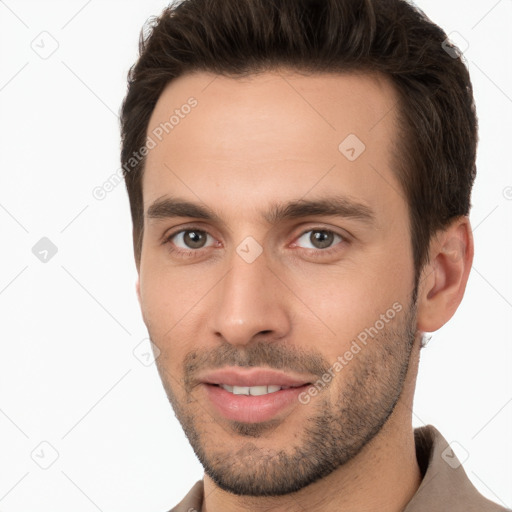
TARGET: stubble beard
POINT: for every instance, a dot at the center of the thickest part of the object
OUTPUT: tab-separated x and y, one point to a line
334	433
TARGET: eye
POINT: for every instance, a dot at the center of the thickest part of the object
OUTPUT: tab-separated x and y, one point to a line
318	239
191	239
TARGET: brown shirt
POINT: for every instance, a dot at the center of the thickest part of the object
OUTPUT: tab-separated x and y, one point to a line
445	486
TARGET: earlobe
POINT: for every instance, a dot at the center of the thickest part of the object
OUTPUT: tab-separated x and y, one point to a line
444	279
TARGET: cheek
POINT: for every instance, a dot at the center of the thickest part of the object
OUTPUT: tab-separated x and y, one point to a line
171	305
168	293
337	304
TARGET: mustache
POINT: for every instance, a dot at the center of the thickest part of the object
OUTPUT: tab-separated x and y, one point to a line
275	355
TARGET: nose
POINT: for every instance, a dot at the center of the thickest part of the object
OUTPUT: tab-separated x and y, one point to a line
250	302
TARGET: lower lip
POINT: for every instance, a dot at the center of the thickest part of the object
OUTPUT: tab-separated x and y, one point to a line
252	409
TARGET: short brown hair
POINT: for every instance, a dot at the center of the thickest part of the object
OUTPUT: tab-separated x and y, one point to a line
437	120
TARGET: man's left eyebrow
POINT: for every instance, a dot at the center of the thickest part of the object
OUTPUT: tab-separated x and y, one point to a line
330	206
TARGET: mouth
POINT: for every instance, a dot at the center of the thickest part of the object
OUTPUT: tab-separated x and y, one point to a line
252	395
245	405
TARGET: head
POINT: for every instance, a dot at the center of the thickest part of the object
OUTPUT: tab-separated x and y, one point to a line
299	176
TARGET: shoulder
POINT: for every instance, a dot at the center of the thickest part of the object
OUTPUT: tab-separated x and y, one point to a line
445	485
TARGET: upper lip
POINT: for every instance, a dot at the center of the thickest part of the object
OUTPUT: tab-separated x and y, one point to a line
252	377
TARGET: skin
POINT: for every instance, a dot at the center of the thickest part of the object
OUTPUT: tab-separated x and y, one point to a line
248	145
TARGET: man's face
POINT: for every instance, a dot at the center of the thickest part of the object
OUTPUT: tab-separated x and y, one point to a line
286	248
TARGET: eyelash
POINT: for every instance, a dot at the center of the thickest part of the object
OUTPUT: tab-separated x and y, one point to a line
315	253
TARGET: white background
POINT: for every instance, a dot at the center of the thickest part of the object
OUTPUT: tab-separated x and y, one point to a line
69	327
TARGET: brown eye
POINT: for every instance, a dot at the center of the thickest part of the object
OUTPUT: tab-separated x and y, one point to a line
191	239
321	239
318	239
194	239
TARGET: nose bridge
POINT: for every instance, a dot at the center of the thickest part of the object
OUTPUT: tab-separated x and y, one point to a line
247	302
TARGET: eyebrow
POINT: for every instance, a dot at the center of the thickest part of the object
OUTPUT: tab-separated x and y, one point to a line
169	207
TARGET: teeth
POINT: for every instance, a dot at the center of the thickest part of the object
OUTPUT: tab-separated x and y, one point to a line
256	390
252	390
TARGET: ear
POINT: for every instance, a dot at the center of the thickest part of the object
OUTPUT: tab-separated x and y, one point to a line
443	279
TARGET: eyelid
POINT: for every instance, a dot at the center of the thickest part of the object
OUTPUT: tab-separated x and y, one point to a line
168	236
346	237
320	255
192	226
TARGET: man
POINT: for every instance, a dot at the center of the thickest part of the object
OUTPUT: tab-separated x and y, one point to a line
299	176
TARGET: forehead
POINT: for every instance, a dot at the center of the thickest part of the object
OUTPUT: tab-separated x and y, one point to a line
275	134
